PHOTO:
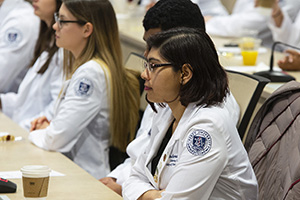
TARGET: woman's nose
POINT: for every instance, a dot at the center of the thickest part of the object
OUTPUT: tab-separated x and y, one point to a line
145	74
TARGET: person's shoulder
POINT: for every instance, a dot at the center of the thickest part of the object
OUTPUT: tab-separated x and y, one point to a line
91	69
23	11
216	114
21	19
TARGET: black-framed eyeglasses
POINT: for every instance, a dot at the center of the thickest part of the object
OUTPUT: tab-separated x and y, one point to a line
151	66
61	22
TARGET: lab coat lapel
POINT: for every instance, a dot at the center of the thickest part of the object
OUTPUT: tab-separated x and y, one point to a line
159	129
176	137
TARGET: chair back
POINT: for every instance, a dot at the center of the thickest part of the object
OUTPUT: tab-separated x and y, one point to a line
136	62
246	89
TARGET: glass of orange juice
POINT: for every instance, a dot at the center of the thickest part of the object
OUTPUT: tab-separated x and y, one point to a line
249	50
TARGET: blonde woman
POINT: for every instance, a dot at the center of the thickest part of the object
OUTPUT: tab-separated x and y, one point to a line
99	101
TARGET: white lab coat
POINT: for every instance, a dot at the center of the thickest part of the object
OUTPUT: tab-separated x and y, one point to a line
288	32
80	126
19	29
37	92
137	146
207	7
245	18
204	159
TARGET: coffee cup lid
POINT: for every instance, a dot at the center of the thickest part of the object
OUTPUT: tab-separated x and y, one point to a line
35	171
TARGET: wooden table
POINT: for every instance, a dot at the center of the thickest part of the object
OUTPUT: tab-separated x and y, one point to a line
76	184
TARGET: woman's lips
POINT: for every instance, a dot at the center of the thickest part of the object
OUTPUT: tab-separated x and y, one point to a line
147	88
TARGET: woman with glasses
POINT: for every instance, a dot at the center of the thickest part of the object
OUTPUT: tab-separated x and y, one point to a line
41	85
99	101
195	150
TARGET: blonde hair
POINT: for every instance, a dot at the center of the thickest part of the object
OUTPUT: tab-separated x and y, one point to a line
104	44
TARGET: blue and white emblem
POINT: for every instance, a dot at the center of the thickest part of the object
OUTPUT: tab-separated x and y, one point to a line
199	142
84	87
13	36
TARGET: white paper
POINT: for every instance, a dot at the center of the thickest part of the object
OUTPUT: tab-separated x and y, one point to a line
18	174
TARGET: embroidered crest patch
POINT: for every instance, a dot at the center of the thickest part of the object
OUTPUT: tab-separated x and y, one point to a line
84	87
199	142
13	36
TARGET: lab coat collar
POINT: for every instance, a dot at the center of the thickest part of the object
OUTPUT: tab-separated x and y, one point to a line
160	127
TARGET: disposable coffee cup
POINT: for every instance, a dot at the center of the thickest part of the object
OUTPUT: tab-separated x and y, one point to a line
35	181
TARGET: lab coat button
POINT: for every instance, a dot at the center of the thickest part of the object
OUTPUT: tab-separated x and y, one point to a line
165	156
155	178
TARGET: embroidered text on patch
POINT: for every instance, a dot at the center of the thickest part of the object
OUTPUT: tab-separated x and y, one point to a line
199	142
84	87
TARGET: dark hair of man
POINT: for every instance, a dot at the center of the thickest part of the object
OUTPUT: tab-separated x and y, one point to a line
46	42
208	85
167	14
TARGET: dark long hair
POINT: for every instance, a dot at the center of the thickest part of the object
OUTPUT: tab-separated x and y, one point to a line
46	42
208	85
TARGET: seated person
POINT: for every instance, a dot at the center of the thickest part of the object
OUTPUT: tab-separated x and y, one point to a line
285	30
180	13
40	87
99	101
246	20
195	149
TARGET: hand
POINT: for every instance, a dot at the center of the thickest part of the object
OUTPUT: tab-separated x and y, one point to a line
39	123
151	195
291	62
111	183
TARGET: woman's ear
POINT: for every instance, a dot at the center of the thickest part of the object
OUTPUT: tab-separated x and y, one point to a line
186	73
88	29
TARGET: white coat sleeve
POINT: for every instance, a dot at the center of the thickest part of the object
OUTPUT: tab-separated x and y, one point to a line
288	32
16	54
137	183
8	102
122	171
74	113
236	24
